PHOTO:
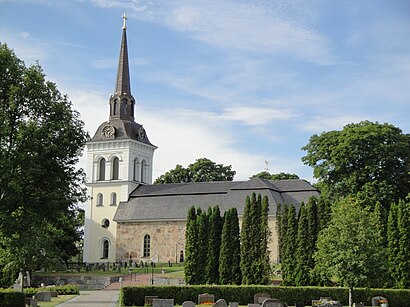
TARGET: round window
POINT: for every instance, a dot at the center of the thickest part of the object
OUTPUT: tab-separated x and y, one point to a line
105	223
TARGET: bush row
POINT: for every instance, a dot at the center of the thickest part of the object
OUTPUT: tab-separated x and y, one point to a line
134	296
61	290
9	298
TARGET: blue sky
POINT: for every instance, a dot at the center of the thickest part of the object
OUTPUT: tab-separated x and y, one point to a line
239	82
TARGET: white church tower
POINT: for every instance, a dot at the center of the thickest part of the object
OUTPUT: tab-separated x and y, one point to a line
119	158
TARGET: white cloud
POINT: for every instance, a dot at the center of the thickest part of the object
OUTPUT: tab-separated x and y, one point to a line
250	26
256	116
327	122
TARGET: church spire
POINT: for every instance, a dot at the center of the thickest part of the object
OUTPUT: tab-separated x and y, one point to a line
123	75
122	102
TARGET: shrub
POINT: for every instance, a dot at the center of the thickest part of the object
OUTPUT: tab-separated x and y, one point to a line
9	298
61	290
244	294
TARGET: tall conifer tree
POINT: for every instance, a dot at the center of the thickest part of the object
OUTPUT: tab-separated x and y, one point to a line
246	243
229	261
214	246
393	244
191	248
265	238
403	255
289	248
302	270
203	228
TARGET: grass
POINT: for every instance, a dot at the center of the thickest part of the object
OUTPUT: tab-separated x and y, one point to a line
55	301
148	270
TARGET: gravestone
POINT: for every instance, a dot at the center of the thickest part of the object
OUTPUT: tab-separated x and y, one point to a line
220	303
254	305
258	298
272	302
188	304
43	296
148	300
31	302
156	302
206	298
233	304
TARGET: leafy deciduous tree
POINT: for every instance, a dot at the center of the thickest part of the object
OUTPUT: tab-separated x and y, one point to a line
201	170
370	161
41	138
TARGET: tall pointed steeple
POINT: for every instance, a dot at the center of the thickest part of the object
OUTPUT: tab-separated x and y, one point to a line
123	75
122	102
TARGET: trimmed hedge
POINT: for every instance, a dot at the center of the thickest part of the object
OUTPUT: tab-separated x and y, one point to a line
61	290
9	298
134	296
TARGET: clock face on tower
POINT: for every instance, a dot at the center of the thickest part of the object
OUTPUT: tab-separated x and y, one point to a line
141	133
108	131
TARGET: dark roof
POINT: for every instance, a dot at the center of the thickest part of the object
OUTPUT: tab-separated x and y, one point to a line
124	129
172	201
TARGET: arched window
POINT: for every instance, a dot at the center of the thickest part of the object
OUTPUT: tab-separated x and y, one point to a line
115	107
135	174
113	199
143	166
101	175
147	246
115	168
105	249
100	199
181	256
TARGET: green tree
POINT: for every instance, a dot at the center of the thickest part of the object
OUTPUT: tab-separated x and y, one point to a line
214	246
289	247
403	255
370	161
202	170
347	249
202	247
302	267
41	138
230	258
246	243
265	269
282	230
279	176
191	248
312	233
324	213
393	245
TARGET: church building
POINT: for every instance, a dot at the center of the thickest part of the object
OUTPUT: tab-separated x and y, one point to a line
129	218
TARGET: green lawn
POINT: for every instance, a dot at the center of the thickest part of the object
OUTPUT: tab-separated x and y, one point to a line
55	301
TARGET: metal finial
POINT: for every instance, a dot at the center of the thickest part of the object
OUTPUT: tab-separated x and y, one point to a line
124	25
267	166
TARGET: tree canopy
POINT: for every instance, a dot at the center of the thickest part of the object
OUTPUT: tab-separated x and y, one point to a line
201	170
41	138
279	176
349	248
370	161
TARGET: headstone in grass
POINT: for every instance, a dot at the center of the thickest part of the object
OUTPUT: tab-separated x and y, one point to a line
272	302
220	303
233	304
380	301
258	298
188	304
156	302
43	296
254	305
148	300
206	298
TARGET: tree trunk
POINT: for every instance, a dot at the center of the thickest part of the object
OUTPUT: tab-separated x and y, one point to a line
350	296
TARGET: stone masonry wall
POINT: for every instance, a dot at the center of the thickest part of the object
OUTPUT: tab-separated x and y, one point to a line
167	240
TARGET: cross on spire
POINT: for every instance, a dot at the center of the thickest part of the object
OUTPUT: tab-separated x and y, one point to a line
124	25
